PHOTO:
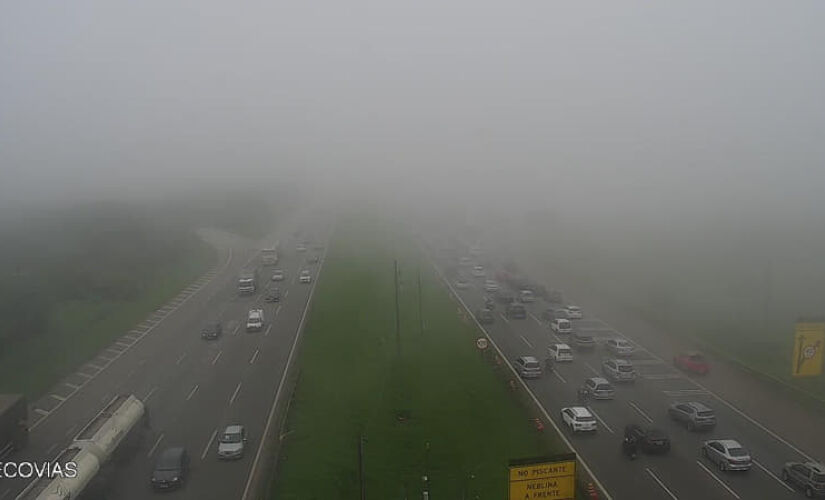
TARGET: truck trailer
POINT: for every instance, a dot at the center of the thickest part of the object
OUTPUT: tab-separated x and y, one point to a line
271	255
248	281
14	429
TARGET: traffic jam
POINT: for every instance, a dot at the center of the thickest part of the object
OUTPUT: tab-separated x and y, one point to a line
623	409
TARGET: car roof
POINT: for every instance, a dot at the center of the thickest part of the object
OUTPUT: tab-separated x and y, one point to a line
696	405
528	359
579	411
562	346
620	362
573	307
599	380
727	443
233	429
171	455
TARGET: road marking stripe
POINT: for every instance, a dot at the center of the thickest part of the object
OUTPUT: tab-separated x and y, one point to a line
209	444
235	394
5	493
41	411
73	386
536	319
51	448
600	420
58	397
70	431
124	344
526	341
154	446
180	358
217	356
277	310
286	293
504	318
592	369
660	483
235	331
117	353
718	480
268	328
146	398
768	472
255	356
559	377
85	375
192	392
104	357
641	412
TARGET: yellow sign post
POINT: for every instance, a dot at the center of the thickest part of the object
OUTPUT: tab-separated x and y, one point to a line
542	478
809	342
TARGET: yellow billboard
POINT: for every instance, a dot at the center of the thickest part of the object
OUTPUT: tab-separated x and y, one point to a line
809	341
547	477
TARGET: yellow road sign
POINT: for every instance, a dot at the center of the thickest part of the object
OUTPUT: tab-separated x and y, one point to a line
543	478
809	342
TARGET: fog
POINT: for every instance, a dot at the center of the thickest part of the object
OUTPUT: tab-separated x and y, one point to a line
658	114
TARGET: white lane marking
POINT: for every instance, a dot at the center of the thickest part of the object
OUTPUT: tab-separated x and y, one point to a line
72	386
559	377
192	392
268	329
154	446
660	483
281	386
716	478
209	444
217	356
526	341
123	344
504	318
235	394
41	411
146	398
277	310
600	420
536	319
180	358
558	339
70	431
592	369
51	448
538	404
58	397
235	331
84	375
774	476
641	412
286	293
255	356
115	351
105	358
98	368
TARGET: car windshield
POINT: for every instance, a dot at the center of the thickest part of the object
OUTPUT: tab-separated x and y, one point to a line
586	419
531	364
231	437
704	413
604	387
625	368
818	477
564	351
737	452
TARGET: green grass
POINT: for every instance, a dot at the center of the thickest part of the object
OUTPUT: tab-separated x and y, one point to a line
77	330
464	423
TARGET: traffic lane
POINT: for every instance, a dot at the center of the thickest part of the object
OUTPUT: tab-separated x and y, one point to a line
772	408
225	394
680	460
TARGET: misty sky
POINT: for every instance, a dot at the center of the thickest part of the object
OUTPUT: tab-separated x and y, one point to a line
632	105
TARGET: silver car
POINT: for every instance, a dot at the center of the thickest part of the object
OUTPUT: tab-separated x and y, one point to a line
232	442
727	454
528	367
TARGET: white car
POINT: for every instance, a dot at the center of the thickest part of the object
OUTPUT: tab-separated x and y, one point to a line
478	271
490	286
727	454
305	277
255	320
561	325
526	296
560	352
574	312
579	419
462	284
301	248
619	347
232	442
277	275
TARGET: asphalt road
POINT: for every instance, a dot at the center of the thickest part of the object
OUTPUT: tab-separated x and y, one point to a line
683	473
191	387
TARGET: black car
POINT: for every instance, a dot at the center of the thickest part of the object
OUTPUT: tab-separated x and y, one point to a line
171	469
485	316
650	439
516	310
212	332
273	295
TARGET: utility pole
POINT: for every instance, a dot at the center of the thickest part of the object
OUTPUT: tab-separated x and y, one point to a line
361	479
397	317
420	314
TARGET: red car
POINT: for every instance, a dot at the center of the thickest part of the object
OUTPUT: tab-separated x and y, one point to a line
693	362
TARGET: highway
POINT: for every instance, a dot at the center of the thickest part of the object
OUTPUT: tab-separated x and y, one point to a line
683	473
192	387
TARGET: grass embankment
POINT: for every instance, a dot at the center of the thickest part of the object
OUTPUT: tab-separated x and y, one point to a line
463	424
72	282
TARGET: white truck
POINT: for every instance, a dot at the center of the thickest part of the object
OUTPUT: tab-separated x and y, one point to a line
270	256
248	281
113	434
255	320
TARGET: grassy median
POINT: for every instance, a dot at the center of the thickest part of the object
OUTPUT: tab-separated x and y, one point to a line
425	405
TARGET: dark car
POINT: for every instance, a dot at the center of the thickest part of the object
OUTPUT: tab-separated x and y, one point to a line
650	439
273	295
516	310
583	340
807	476
212	332
171	469
485	316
